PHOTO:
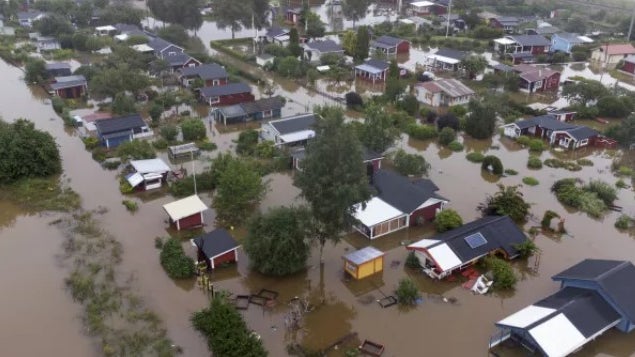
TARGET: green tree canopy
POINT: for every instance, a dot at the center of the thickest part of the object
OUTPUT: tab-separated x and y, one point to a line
294	43
26	152
333	176
276	241
624	132
410	164
362	43
508	201
584	91
355	10
193	129
110	81
446	220
123	104
378	132
229	14
238	192
183	12
473	65
481	122
35	71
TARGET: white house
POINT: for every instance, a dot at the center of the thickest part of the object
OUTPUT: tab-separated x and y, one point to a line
443	92
292	130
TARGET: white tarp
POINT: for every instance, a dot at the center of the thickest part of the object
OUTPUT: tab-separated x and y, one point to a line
376	211
297	136
526	316
150	166
557	336
134	179
185	207
504	41
424	243
444	256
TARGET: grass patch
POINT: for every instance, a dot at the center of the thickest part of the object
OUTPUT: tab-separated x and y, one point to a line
592	198
131	205
41	194
584	162
561	164
455	146
621	184
623	222
530	181
475	157
534	163
511	172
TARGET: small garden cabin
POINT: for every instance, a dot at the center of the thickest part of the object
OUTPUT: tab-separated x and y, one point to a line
364	262
216	247
186	213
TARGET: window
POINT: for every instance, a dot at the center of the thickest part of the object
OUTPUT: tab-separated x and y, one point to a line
267	114
584	142
215	82
214	100
350	267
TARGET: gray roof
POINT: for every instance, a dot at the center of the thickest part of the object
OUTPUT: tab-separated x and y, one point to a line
158	44
294	123
228	89
262	105
215	243
451	87
68	82
508	20
205	71
369	155
363	255
448	52
127	28
274	31
503	67
530	40
123	123
325	46
500	232
377	64
544	121
178	59
58	65
582	132
613	277
386	42
570	37
401	193
26	15
547	30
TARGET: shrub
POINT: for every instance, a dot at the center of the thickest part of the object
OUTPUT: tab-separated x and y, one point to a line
623	222
523	140
136	150
125	187
407	292
354	100
247	142
511	172
492	163
130	205
207	146
111	164
100	154
584	162
446	136
410	164
504	276
446	220
534	163
530	181
169	132
412	261
547	217
526	248
58	104
449	120
193	130
568	193
621	184
90	143
603	190
160	144
536	145
455	146
422	132
624	171
175	262
554	163
475	157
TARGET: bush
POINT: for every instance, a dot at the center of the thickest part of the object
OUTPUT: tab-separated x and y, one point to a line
584	162
421	132
160	144
455	146
450	121
568	193
58	104
169	132
475	157
90	142
408	104
100	154
407	292
547	217
111	164
175	262
193	130
536	145
354	100
603	190
621	184
534	163
207	146
623	222
510	172
492	163
410	164
526	248
446	136
523	140
247	142
530	181
504	276
136	150
412	261
130	205
446	220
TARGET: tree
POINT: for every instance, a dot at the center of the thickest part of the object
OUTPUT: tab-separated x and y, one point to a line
247	142
229	14
276	241
169	132
26	152
193	130
613	107
362	44
110	81
407	292
623	132
155	112
410	164
493	164
53	25
315	27
584	91
354	100
504	277
576	24
333	176
349	42
508	201
123	104
378	131
446	220
481	122
448	121
446	136
294	43
238	192
35	71
183	12
473	65
471	19
409	104
355	10
174	260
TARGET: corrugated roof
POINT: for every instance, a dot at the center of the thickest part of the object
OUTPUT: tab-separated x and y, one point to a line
363	255
374	64
228	89
150	166
451	87
451	53
262	105
215	243
618	49
184	207
324	46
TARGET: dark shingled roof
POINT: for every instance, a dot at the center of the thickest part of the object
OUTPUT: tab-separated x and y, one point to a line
386	42
401	193
205	71
178	59
274	31
215	243
547	121
262	105
58	65
447	52
375	63
68	82
531	40
228	89
614	278
369	155
294	123
582	132
114	125
500	232
325	46
158	44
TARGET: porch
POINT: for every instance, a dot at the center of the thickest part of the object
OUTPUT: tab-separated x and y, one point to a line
379	218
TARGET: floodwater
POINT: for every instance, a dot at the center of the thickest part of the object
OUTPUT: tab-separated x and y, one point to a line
340	306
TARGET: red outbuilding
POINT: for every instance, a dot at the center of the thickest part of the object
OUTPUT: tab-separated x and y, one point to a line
186	213
216	247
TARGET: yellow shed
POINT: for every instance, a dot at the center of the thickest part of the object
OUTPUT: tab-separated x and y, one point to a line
364	262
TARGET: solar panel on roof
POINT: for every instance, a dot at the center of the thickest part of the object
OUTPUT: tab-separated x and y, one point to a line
475	240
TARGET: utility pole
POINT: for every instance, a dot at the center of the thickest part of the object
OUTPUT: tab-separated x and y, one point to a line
630	28
447	27
194	173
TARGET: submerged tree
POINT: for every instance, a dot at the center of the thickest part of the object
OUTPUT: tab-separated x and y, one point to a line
508	201
481	122
355	10
229	14
378	131
333	176
362	43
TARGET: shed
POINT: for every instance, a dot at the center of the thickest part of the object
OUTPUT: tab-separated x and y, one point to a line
69	86
183	150
372	70
186	213
390	46
152	173
232	93
216	247
364	262
115	131
294	130
58	69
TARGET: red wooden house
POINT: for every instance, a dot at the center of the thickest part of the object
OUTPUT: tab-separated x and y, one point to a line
186	213
211	74
69	86
372	70
629	65
293	15
533	78
390	46
372	161
232	93
216	247
426	8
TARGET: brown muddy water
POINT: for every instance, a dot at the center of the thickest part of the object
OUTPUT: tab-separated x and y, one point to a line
340	306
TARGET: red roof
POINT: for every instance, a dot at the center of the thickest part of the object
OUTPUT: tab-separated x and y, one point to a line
618	49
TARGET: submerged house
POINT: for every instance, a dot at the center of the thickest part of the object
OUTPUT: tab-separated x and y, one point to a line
228	94
446	59
522	48
399	204
163	48
115	131
559	133
389	46
372	70
565	41
294	130
147	174
69	86
459	248
215	248
443	92
186	213
595	296
211	74
314	50
181	60
364	262
244	112
532	78
58	69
